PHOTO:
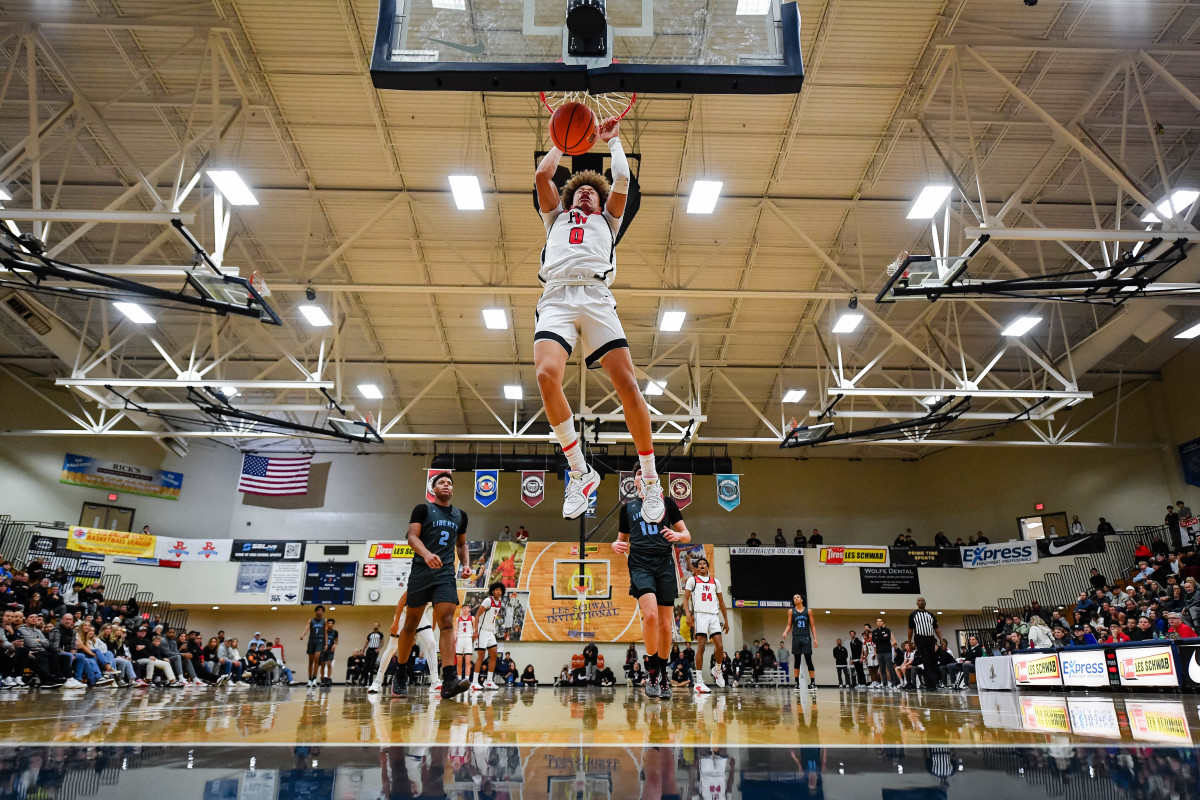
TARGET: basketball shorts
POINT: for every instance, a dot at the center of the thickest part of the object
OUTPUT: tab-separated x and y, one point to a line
645	579
462	646
569	314
326	655
707	624
486	639
801	646
441	592
315	646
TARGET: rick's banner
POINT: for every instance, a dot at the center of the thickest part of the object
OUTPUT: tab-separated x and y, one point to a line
729	491
129	478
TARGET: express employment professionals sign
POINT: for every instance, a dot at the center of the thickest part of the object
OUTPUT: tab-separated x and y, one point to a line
997	555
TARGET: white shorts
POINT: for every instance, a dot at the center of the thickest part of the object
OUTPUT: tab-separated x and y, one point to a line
462	646
707	624
568	314
486	639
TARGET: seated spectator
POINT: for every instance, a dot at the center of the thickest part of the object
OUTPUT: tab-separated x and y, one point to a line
679	678
154	659
1116	635
579	677
607	678
970	541
1040	636
1177	628
631	660
960	543
528	678
1036	609
564	677
1142	552
355	667
816	539
1144	631
1062	639
231	660
1081	636
753	541
522	535
675	659
1158	547
904	666
948	667
1097	580
420	664
502	674
638	676
1058	621
63	646
966	659
1104	528
941	540
981	539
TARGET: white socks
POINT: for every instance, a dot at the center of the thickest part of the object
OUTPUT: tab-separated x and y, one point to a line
647	464
569	441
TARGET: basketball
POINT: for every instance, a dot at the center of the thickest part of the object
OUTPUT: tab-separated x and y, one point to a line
573	128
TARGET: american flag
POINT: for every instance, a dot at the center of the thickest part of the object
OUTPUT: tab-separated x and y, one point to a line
279	476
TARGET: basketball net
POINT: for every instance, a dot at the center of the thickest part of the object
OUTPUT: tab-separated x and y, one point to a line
613	104
895	265
259	283
582	584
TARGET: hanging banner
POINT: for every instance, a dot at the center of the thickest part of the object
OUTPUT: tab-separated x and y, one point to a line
591	509
111	543
253	578
998	555
96	473
533	487
169	549
429	473
889	580
926	556
266	550
487	486
681	488
1189	455
854	556
628	486
1071	545
729	491
287	580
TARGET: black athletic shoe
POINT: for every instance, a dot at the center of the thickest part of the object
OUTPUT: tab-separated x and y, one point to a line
400	682
652	688
665	691
457	685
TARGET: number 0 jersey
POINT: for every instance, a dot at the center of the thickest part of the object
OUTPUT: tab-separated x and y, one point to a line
579	245
440	528
704	594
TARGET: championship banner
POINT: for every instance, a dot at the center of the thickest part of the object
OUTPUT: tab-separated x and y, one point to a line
997	555
287	583
429	473
111	543
729	491
1036	669
487	486
1147	665
681	488
533	487
169	549
591	509
926	556
266	550
1060	546
95	473
854	556
628	486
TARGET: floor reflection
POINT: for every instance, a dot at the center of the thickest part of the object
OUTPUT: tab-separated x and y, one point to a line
466	772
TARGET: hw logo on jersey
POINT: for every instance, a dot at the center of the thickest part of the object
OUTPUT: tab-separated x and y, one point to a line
681	488
487	485
729	491
533	487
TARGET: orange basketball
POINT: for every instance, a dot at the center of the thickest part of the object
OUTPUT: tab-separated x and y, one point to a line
573	128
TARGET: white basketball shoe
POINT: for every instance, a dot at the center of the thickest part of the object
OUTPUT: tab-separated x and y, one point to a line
579	487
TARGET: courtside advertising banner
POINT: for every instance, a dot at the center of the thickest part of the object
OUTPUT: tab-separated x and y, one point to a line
1189	663
1094	716
1083	667
1158	721
1046	714
1036	669
999	555
854	556
169	549
680	484
1147	665
729	491
533	487
487	486
766	551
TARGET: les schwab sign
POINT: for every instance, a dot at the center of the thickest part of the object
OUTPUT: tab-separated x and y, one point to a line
854	556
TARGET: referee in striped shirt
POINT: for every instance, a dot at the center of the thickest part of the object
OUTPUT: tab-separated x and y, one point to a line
371	651
924	625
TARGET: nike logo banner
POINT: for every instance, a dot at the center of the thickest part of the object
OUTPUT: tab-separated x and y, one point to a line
1061	546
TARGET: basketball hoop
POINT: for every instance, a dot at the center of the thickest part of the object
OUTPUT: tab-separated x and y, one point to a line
259	283
895	265
614	104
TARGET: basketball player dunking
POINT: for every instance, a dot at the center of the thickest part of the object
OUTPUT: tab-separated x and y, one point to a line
650	546
578	265
436	532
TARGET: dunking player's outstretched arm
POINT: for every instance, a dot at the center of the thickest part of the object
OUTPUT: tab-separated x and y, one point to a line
543	180
610	131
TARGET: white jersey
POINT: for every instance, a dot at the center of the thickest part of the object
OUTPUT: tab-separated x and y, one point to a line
465	626
489	609
579	246
713	780
704	594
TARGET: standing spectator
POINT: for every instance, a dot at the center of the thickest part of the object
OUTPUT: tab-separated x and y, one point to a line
800	539
870	657
753	541
816	539
1172	522
371	652
1182	510
506	535
780	541
924	626
1104	527
1076	527
885	643
782	656
841	661
522	535
591	658
941	540
856	659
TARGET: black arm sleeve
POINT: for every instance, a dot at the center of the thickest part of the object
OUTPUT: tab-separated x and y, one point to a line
623	523
419	514
464	527
673	513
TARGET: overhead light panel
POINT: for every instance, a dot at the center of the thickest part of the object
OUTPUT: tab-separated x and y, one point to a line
746	8
929	201
232	187
847	322
655	387
454	5
1190	333
1180	201
704	197
316	316
512	392
229	391
1021	326
793	396
370	391
467	195
495	319
4	195
672	320
135	313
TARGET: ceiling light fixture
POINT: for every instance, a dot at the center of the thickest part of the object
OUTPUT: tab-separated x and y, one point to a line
135	313
704	197
1179	201
1021	326
747	8
847	322
794	395
655	387
232	187
1190	333
370	391
929	201
229	391
513	392
316	316
495	319
467	195
672	320
4	195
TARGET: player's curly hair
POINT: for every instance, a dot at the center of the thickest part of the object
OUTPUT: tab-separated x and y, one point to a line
589	177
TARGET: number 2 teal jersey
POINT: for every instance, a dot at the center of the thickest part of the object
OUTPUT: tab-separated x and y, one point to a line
440	528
